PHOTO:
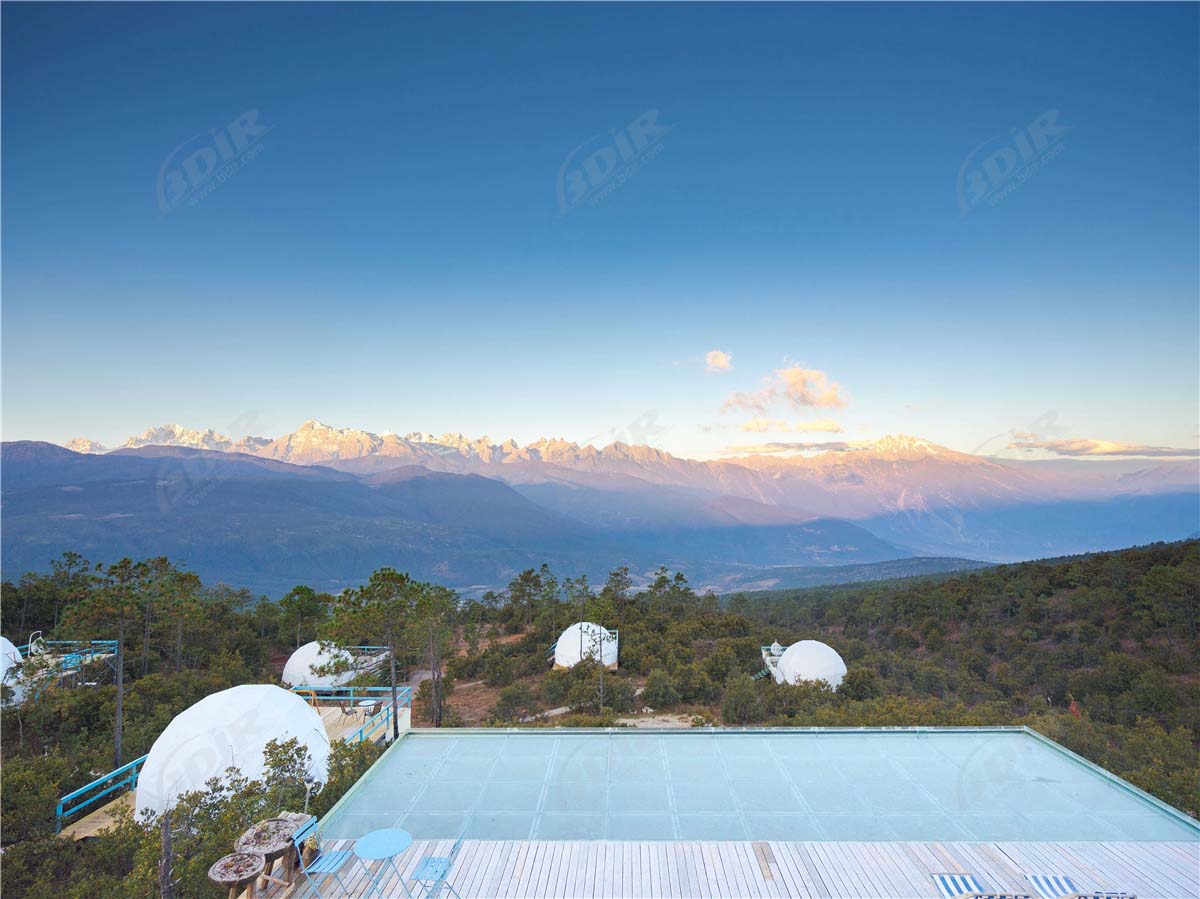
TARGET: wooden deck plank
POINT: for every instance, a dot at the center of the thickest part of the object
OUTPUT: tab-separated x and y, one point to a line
880	868
735	884
583	884
578	865
494	875
793	879
518	868
724	885
890	865
472	865
751	869
551	865
801	860
99	819
537	870
835	880
708	869
1104	857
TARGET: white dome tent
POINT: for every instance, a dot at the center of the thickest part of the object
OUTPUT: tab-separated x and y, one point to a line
229	729
298	671
585	640
810	660
11	671
10	658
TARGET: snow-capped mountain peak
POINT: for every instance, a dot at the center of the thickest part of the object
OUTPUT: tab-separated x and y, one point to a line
83	445
905	444
177	435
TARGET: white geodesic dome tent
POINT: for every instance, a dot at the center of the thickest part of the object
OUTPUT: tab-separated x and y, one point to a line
10	658
585	640
810	660
299	668
229	729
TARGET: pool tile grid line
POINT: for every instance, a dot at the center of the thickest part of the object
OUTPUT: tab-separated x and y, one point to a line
796	792
608	769
419	794
728	779
671	805
535	826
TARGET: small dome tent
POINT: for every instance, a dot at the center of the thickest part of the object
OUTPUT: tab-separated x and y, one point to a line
10	658
11	672
299	670
229	729
810	660
585	640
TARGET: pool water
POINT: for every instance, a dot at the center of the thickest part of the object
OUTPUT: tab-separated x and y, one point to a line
737	785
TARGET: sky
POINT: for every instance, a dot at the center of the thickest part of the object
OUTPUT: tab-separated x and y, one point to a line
695	226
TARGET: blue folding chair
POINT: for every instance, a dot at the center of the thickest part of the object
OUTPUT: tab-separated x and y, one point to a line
967	886
326	861
433	871
1059	886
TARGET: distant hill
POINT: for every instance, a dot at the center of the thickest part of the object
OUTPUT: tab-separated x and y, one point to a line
780	581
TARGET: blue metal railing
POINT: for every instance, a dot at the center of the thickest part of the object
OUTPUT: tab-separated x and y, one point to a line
130	770
374	723
349	694
78	651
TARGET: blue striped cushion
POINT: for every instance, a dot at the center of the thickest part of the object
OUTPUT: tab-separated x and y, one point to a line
954	885
1053	886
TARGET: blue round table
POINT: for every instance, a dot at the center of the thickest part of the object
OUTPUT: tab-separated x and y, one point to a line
379	845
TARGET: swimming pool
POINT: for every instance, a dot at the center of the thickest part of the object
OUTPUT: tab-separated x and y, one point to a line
768	784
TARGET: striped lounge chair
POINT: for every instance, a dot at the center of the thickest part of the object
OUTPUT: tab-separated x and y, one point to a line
1059	886
967	886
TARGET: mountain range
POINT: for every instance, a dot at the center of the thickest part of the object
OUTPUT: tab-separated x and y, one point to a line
326	505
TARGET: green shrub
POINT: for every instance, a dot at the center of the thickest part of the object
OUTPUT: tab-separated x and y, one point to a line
497	670
859	684
695	686
555	686
660	692
742	703
515	702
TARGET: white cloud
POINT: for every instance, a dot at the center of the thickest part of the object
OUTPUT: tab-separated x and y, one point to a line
1090	447
796	386
764	425
718	361
787	446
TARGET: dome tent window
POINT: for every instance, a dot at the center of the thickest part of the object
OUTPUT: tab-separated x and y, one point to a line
808	660
586	640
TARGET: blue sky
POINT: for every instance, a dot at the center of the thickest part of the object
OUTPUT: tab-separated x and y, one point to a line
391	251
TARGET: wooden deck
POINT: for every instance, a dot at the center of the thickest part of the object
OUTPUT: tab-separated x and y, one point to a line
94	822
489	869
339	726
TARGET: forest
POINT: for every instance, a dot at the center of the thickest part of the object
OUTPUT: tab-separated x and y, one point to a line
1097	652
